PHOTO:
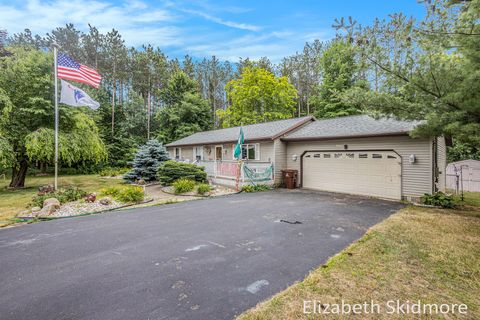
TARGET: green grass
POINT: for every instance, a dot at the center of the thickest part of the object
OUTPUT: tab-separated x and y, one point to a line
14	201
470	199
432	255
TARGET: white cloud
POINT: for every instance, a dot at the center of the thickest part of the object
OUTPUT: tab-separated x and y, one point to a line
134	19
232	24
165	24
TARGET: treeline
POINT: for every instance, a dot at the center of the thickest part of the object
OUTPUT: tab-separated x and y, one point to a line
398	66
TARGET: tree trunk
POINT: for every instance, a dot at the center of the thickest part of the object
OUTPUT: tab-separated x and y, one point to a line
19	174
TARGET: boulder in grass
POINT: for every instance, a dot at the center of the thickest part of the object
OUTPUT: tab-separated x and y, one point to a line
36	209
42	190
51	201
141	182
48	210
91	197
24	213
106	201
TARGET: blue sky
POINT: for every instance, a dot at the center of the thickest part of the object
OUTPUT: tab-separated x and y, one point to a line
227	29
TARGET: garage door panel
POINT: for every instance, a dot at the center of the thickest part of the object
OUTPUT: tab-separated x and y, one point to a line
373	173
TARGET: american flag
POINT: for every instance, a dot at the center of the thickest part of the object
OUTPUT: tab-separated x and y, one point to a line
70	69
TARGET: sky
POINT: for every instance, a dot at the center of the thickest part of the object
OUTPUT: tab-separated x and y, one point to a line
200	28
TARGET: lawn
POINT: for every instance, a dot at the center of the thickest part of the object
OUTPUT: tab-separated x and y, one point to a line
431	255
14	201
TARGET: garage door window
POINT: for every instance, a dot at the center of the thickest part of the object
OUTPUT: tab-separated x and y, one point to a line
316	155
326	155
338	155
376	156
391	157
350	155
363	156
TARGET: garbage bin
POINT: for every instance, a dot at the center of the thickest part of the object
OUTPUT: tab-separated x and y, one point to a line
290	178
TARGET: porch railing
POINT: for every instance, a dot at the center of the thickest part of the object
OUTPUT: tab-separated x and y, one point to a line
229	169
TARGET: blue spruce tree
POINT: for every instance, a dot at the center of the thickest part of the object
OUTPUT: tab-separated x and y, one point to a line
147	160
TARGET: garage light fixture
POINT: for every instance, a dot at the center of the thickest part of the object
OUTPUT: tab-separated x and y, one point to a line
294	157
412	158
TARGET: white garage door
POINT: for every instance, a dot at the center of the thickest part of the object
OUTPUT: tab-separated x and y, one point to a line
370	173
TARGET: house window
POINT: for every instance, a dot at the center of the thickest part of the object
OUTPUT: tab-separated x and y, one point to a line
198	153
178	153
250	152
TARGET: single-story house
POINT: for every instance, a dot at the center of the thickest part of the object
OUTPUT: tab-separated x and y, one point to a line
355	154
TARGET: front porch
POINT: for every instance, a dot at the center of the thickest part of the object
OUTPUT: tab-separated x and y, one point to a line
225	172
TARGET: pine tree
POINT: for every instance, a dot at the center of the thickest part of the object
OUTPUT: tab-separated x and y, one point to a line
147	161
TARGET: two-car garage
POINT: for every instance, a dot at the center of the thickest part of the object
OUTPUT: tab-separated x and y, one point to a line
376	173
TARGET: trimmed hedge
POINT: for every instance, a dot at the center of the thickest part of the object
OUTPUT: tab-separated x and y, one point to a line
171	171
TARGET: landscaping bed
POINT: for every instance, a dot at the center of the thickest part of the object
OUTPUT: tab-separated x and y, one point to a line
214	191
78	208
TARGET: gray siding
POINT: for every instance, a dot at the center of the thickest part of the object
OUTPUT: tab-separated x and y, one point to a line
280	159
416	178
442	163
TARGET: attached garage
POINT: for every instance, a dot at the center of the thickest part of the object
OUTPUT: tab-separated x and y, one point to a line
366	156
374	173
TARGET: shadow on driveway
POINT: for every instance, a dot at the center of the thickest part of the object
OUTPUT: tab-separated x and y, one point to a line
205	259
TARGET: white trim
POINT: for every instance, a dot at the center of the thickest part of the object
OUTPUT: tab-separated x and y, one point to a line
195	153
257	151
175	153
218	146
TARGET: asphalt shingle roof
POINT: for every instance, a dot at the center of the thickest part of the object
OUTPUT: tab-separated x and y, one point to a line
351	126
259	131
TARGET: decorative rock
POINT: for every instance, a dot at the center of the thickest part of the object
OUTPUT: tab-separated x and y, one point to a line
42	190
48	210
106	201
51	201
36	209
141	182
91	197
24	213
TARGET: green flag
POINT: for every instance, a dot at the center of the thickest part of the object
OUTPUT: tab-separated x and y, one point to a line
238	147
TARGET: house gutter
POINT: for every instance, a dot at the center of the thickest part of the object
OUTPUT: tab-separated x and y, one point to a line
274	137
344	137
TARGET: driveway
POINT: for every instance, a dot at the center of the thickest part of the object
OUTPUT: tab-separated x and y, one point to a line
205	259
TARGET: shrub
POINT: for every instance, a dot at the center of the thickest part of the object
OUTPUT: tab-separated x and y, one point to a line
110	191
171	171
439	199
203	188
63	195
147	160
131	194
183	185
255	188
125	194
113	172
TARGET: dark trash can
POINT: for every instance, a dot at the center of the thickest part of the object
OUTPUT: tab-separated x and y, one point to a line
290	178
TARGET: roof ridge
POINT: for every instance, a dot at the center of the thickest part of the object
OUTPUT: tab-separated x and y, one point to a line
256	124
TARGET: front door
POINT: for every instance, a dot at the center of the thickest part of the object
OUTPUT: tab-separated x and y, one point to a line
218	152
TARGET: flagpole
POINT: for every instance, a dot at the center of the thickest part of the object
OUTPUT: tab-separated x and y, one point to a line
56	114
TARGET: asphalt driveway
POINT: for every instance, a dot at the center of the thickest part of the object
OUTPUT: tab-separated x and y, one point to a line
206	259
